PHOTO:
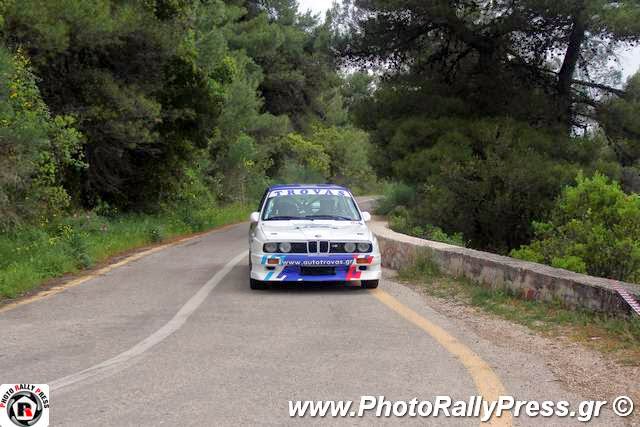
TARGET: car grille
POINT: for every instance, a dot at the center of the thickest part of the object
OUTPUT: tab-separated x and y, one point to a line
318	246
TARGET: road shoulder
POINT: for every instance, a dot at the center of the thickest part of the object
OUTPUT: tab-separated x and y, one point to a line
531	365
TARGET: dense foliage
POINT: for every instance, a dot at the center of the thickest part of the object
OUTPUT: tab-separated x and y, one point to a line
532	59
36	148
594	228
146	105
619	118
489	109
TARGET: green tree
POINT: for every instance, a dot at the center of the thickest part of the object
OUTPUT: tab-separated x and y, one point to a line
594	229
357	87
348	149
619	119
126	71
294	53
488	179
175	97
486	108
36	148
520	58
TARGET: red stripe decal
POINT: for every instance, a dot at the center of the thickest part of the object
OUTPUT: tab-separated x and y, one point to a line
635	306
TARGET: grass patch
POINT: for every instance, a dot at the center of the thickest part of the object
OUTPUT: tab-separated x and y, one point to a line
31	255
615	335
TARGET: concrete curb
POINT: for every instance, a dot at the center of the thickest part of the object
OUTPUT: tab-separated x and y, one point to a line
528	279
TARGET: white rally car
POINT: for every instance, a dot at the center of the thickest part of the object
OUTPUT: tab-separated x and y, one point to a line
311	233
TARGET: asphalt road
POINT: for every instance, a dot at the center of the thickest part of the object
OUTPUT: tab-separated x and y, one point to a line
178	338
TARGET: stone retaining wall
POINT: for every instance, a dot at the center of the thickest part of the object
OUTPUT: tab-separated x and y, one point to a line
531	280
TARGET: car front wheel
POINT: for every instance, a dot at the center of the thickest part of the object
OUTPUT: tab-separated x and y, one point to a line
257	284
369	284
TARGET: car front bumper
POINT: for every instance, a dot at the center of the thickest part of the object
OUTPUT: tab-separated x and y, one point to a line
316	267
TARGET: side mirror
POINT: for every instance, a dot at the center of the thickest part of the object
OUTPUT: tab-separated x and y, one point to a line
254	217
366	216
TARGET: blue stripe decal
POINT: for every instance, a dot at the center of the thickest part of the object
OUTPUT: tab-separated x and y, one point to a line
268	276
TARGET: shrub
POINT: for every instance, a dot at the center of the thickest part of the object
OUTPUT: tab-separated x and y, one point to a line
299	173
79	250
242	176
192	219
594	228
423	267
106	210
400	221
155	234
488	179
395	194
348	149
295	149
36	148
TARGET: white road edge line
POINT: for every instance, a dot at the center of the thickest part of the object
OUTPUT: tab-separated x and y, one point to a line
119	362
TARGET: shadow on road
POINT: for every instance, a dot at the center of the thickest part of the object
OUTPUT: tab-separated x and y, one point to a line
305	287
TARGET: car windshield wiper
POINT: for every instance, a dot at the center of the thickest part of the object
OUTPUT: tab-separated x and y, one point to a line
338	217
283	218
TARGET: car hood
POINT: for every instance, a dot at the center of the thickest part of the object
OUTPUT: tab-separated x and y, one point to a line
315	230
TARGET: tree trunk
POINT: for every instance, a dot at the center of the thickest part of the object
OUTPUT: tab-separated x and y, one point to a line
567	71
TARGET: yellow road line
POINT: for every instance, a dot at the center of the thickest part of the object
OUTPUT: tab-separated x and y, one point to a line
486	381
89	276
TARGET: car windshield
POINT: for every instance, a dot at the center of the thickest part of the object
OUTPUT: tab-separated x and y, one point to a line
284	206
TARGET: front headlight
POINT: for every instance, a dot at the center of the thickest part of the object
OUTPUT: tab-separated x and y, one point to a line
285	247
349	247
270	247
364	247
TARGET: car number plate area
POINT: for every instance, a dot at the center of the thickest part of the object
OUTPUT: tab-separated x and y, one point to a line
318	271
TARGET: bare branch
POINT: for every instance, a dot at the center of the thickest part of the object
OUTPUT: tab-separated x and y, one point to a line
621	93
